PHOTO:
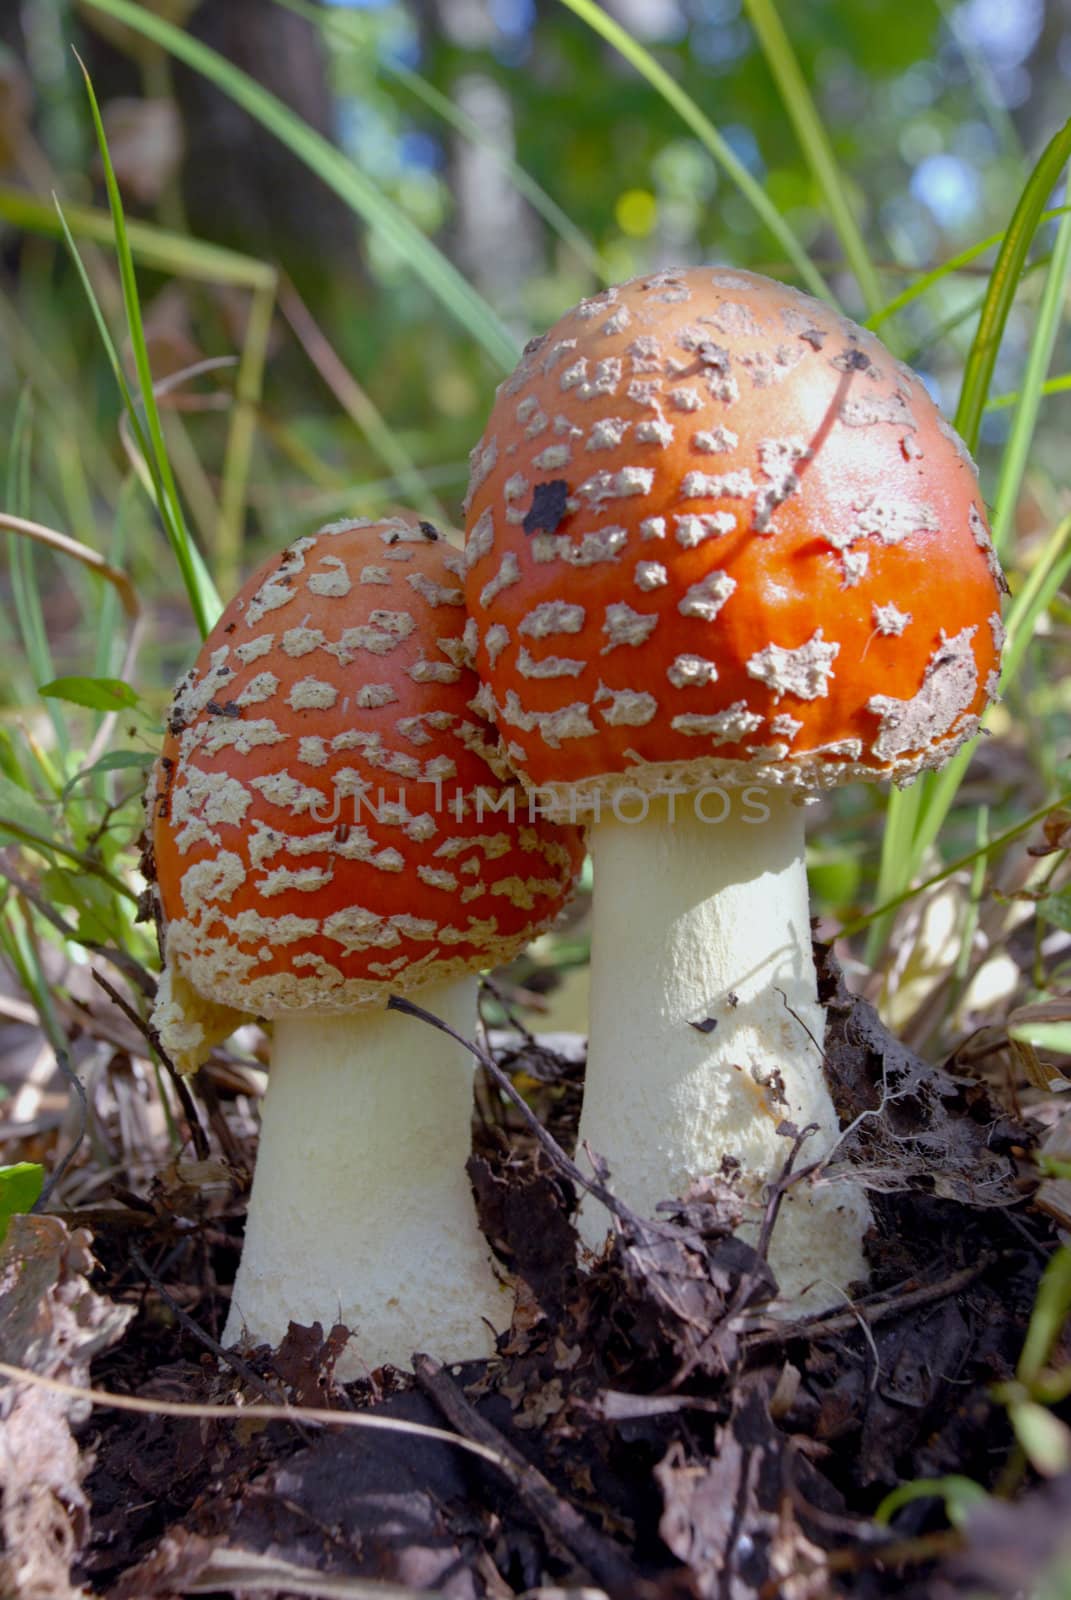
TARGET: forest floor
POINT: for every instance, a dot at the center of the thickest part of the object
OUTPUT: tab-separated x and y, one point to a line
644	1429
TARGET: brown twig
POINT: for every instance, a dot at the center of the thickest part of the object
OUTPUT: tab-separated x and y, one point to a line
560	1520
902	1552
594	1186
255	1413
80	552
217	1121
63	1061
820	1326
198	1137
241	1368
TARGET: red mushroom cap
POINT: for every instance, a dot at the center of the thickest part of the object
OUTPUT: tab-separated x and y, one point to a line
310	848
715	529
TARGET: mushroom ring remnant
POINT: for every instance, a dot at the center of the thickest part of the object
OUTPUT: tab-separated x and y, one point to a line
329	825
717	535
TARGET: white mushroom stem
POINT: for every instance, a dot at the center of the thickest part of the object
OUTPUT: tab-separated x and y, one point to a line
362	1211
697	920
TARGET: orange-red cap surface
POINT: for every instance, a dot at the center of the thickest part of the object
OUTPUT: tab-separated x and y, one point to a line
309	851
714	528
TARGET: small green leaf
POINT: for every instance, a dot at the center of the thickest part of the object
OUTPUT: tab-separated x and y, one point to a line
114	761
123	760
21	807
1052	1306
99	694
1046	1441
960	1496
1055	1036
1056	908
20	1186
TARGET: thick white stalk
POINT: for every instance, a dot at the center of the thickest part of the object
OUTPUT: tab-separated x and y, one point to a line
698	919
361	1209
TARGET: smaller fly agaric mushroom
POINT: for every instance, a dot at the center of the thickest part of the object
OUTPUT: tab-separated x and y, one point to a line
329	827
723	552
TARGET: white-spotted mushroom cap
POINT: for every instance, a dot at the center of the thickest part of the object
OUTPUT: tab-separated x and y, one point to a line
325	825
716	530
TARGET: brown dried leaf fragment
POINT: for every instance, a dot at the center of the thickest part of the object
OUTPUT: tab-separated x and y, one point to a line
52	1323
911	1125
726	1516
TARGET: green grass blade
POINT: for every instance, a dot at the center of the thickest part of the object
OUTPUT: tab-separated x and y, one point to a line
897	847
939	789
155	248
25	590
1049	1317
148	473
241	437
705	131
334	169
27	964
814	142
62	415
110	348
916	816
1057	385
1004	283
858	924
1042	343
921	286
960	1496
1039	589
916	354
935	794
199	588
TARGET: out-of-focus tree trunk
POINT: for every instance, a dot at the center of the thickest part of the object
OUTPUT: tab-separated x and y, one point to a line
11	28
240	184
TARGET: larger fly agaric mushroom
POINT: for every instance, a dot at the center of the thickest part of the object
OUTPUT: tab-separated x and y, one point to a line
722	552
321	840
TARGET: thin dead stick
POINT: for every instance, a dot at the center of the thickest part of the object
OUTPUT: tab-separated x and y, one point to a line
594	1186
845	1321
353	399
197	369
251	1413
63	1062
67	546
559	1519
622	1214
240	1368
198	1137
245	1571
164	389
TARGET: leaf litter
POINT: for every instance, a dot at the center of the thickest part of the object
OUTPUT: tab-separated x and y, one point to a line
644	1429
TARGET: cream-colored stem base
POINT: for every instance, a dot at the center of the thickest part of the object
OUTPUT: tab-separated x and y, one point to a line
697	920
361	1209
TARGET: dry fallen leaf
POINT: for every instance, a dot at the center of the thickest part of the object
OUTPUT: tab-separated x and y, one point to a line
53	1323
